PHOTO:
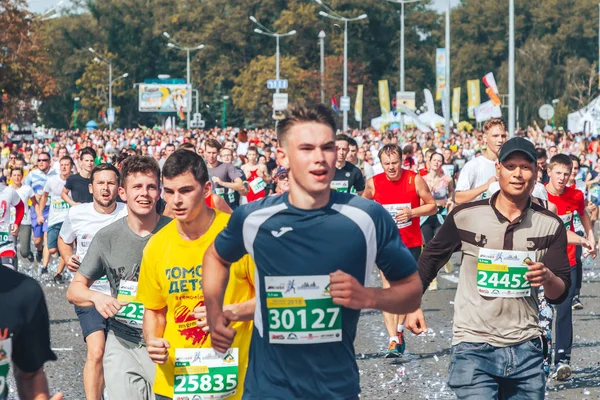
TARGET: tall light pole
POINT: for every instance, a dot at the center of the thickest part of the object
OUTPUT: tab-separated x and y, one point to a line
224	113
267	32
335	16
511	67
75	100
174	45
322	70
402	3
100	59
447	99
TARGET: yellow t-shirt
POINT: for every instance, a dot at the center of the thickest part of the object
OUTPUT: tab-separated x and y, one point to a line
171	276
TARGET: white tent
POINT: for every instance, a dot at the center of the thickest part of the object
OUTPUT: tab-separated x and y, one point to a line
587	119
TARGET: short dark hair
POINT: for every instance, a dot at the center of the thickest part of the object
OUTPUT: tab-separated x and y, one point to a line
16	169
187	146
213	143
575	159
435	153
139	164
252	148
182	161
87	150
389	149
408	149
319	114
560	159
170	145
68	158
342	137
104	167
540	153
352	142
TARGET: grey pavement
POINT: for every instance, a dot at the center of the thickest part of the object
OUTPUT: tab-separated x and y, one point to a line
420	374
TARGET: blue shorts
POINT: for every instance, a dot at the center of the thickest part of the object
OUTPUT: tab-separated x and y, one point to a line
38	230
90	320
53	232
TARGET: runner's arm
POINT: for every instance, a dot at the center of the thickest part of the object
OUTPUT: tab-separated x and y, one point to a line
439	250
32	385
589	230
79	293
465	196
19	212
237	185
428	206
65	196
265	174
243	311
215	278
369	192
221	204
41	204
154	324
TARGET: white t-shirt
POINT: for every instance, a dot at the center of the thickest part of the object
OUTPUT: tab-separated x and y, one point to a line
539	190
8	198
25	192
82	222
58	207
475	173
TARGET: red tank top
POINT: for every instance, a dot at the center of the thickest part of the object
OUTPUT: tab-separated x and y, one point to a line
400	194
256	187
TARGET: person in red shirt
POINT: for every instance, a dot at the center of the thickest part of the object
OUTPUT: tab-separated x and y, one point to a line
406	196
568	200
256	174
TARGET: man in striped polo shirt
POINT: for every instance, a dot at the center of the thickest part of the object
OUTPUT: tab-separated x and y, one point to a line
511	247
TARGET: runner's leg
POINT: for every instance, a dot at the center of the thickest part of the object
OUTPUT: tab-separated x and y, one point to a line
93	371
25	240
563	338
128	370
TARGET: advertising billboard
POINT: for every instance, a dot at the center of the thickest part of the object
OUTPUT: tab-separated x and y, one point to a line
164	98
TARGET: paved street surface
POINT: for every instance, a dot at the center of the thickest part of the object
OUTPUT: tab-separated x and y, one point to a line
420	374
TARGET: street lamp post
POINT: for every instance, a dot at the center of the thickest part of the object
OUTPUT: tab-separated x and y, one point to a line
322	45
511	67
335	16
447	99
267	32
99	59
554	102
174	45
75	100
224	113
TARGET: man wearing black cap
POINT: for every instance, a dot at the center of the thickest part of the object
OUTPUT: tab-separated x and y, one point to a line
512	247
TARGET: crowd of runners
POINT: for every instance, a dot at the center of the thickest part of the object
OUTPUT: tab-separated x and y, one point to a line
200	263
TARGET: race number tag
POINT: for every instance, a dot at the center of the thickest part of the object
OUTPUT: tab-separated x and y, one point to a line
4	237
340	186
5	357
501	273
257	185
60	205
577	225
229	192
394	209
204	374
133	313
101	285
566	219
301	310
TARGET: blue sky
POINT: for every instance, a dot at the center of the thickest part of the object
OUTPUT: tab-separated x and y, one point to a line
41	5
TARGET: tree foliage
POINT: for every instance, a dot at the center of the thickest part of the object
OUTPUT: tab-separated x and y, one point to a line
556	55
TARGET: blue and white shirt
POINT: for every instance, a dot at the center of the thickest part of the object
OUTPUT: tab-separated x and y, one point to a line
350	234
37	180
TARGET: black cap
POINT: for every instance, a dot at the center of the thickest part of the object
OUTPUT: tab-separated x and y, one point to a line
517	144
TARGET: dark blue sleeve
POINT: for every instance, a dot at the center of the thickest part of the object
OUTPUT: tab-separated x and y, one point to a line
230	242
393	258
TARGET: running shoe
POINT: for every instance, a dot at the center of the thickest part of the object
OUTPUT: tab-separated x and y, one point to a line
38	256
433	285
43	270
563	372
393	350
58	278
577	305
448	267
402	344
30	257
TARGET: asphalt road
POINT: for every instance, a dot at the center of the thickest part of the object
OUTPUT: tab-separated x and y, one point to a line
420	374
